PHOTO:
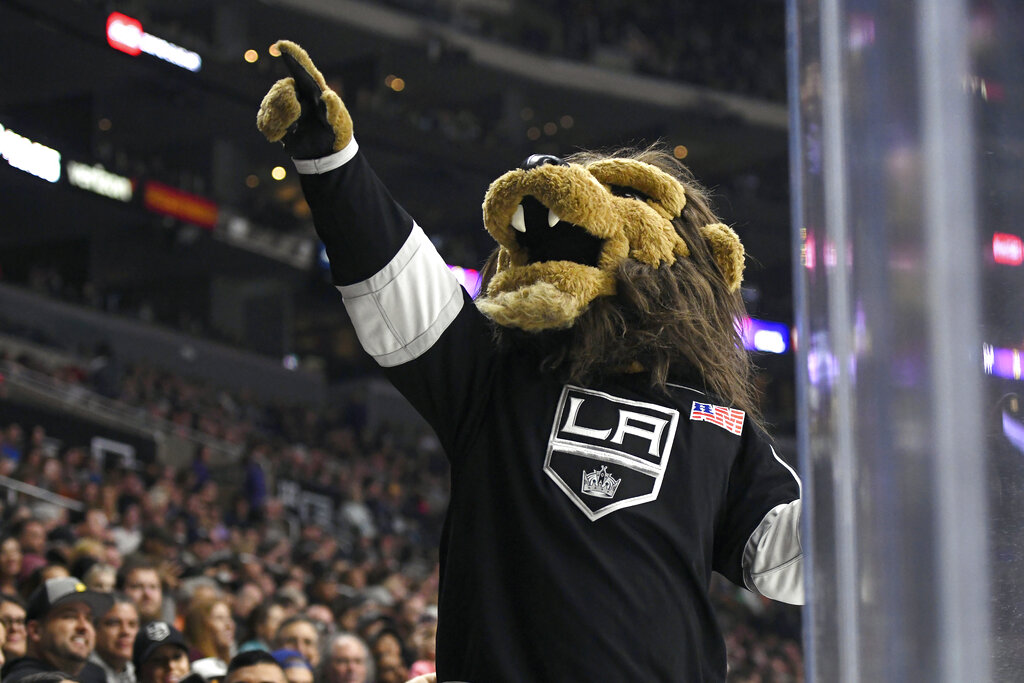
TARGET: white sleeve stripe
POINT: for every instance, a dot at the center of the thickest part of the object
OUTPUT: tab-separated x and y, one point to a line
799	484
329	162
402	310
773	558
423	343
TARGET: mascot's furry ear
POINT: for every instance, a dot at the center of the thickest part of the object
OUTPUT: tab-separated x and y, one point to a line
728	252
664	193
648	242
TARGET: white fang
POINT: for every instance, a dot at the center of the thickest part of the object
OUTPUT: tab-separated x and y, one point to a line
552	218
519	219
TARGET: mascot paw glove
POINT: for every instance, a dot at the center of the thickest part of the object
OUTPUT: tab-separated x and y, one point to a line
301	111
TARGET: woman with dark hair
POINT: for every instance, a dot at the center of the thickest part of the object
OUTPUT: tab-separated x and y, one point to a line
262	625
10	564
160	654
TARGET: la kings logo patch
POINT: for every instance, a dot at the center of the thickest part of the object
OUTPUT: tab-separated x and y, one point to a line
607	453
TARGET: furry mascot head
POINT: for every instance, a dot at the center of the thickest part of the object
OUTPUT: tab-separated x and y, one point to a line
615	263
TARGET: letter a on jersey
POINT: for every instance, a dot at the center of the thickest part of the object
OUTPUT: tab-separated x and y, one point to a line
607	453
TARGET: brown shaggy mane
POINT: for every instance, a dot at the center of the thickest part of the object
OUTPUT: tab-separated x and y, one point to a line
678	322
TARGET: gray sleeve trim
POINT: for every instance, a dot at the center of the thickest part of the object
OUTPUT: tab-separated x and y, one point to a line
773	558
329	162
402	310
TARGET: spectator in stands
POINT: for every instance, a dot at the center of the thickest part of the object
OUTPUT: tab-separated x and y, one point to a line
101	577
250	567
194	590
323	618
254	483
371	619
95	526
50	570
115	638
31	534
84	554
160	654
300	633
127	534
255	666
210	629
391	669
296	667
61	635
13	442
386	650
158	544
290	594
263	624
10	565
247	598
140	581
348	660
424	643
12	616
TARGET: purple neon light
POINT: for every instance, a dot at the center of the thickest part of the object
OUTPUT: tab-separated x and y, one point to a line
468	278
763	335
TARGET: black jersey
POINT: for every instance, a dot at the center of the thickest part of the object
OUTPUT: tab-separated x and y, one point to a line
584	521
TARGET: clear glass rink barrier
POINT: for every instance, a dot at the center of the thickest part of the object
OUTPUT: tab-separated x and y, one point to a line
907	149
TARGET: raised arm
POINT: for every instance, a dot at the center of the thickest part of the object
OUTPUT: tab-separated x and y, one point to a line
399	293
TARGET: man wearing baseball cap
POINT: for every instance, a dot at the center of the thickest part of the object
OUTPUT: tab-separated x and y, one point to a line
60	631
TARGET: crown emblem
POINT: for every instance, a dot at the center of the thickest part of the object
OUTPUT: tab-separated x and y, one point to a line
600	483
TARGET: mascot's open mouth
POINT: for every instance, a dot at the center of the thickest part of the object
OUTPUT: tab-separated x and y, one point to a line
546	237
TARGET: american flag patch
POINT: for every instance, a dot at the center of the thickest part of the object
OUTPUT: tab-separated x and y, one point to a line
726	418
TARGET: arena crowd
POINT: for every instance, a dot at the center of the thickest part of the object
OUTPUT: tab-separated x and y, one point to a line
222	562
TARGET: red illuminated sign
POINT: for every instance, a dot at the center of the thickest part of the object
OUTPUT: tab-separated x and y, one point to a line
188	207
124	33
1007	249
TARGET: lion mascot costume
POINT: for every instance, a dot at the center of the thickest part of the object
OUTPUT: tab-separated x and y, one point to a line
595	403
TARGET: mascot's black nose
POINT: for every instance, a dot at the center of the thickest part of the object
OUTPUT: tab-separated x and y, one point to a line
535	160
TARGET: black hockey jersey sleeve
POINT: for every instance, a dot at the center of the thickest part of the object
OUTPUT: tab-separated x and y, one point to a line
361	225
761	485
408	310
